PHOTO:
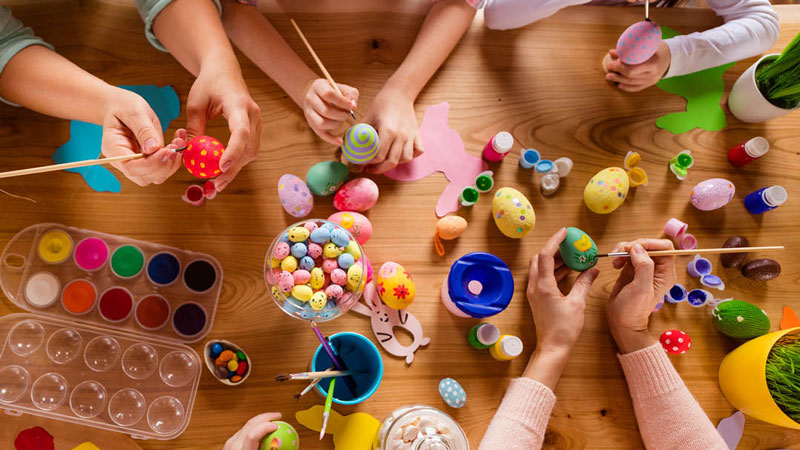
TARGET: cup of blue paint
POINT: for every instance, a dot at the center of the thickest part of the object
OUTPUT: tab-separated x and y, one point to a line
359	355
529	158
163	268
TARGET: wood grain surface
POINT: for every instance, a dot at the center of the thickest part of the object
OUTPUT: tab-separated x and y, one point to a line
544	84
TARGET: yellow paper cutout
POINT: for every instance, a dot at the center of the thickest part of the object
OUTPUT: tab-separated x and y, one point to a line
86	446
354	432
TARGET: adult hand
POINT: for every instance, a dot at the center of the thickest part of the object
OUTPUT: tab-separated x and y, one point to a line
634	78
248	437
220	90
130	126
640	286
326	110
392	114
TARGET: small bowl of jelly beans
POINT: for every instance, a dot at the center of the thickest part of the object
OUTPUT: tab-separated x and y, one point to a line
315	270
227	362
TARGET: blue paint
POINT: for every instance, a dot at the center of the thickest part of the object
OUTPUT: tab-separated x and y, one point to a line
360	355
529	158
163	268
676	294
544	166
765	199
86	138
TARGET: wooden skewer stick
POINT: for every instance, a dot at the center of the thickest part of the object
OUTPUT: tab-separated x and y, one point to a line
312	375
696	251
319	63
646	9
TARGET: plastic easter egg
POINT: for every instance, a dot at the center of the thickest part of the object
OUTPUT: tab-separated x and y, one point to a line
202	155
295	196
740	320
395	286
359	195
355	223
284	438
513	213
361	143
712	194
578	250
606	191
324	178
452	393
639	42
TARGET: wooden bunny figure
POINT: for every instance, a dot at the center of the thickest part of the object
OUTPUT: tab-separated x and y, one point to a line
384	319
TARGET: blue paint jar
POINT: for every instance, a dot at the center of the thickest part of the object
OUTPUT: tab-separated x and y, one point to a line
765	199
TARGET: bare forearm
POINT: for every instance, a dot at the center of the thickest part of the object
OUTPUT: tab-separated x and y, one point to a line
442	29
546	366
44	81
252	33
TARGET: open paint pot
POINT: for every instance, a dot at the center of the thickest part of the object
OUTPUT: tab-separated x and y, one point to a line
116	304
127	261
199	276
79	297
42	289
55	246
91	254
152	312
163	269
226	345
189	319
360	355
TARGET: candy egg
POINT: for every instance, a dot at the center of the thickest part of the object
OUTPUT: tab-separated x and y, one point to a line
639	42
513	213
330	250
345	260
452	393
339	276
295	196
281	250
359	195
578	250
329	265
306	263
395	286
712	194
299	250
298	234
318	301
310	225
606	191
202	155
301	276
302	292
320	236
289	263
352	248
354	277
334	291
285	281
314	250
324	178
355	223
317	278
361	143
340	237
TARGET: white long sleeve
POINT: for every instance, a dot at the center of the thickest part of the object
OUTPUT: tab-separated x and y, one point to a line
507	14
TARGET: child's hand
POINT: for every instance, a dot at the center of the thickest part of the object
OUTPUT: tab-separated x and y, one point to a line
130	126
393	116
640	76
256	428
325	109
640	286
220	90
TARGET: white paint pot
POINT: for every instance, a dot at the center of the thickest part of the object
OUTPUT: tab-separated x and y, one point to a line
746	101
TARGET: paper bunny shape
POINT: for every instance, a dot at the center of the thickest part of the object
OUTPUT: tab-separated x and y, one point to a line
384	319
354	432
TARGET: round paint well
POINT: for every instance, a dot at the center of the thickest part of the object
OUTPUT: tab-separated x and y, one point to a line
42	289
152	312
189	319
116	304
127	261
91	254
163	268
79	297
55	246
200	276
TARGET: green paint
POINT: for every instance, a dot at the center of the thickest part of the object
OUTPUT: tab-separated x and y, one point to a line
578	250
127	261
703	92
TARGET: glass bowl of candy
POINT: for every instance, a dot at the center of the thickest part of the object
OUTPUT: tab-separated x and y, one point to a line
315	270
420	427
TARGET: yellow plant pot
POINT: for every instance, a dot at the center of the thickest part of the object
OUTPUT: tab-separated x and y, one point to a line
742	377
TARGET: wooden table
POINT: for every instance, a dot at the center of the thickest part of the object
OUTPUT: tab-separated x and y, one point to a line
544	84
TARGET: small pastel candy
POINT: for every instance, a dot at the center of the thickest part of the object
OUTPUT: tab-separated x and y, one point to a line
298	234
284	237
352	248
328	226
289	263
452	393
317	278
328	311
339	276
346	260
330	250
334	291
354	275
321	235
281	250
318	301
306	263
301	276
310	225
329	265
340	237
299	250
302	293
216	350
285	281
314	250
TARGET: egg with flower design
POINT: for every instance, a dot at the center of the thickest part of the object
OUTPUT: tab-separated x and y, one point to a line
395	285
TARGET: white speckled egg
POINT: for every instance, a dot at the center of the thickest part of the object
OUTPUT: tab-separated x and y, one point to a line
395	286
360	195
356	224
513	213
295	196
606	191
452	393
712	194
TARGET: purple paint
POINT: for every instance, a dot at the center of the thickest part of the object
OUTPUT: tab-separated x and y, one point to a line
91	254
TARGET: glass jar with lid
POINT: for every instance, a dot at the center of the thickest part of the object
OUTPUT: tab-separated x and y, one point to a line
420	427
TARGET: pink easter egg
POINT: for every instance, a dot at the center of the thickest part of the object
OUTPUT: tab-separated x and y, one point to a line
310	225
368	267
314	250
285	281
295	196
639	42
359	195
334	291
712	194
355	223
339	277
329	265
301	276
281	250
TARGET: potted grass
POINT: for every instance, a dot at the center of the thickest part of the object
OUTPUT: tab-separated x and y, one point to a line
770	87
761	378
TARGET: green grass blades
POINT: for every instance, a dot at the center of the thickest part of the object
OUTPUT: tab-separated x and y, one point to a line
783	375
779	79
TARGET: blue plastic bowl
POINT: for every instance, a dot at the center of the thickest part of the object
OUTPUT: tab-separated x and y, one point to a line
358	354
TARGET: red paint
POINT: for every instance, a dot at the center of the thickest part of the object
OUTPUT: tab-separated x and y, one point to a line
739	157
748	151
116	304
36	438
194	193
152	312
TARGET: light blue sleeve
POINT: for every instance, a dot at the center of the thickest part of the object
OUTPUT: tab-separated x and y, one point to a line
149	10
14	36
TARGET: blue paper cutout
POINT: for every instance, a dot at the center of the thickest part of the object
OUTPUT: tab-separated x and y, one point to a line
86	138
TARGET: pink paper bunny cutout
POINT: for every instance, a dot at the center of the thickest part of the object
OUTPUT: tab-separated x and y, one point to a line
384	319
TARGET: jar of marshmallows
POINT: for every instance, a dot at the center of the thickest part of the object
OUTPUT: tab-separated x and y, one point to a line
420	427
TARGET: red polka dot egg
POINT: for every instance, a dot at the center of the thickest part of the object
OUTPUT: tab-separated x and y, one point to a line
202	155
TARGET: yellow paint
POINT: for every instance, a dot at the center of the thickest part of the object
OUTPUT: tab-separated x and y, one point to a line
203	152
583	244
202	165
86	446
55	246
347	220
354	432
216	153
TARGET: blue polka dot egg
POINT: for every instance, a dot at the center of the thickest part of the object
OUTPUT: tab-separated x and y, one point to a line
452	393
639	42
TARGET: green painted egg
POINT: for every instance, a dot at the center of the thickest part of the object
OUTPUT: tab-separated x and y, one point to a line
578	250
324	178
740	320
284	438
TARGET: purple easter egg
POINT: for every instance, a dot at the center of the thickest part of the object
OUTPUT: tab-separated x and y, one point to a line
295	196
639	42
712	194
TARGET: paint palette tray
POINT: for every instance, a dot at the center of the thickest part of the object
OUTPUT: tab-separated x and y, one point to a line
96	377
112	281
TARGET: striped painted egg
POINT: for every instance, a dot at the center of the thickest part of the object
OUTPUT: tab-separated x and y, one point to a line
361	143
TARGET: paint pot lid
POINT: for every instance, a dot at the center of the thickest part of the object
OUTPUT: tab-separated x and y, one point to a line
564	166
775	196
495	278
502	142
510	346
756	147
488	334
531	155
544	166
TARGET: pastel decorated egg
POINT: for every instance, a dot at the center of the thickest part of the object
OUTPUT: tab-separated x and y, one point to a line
639	42
331	250
513	213
302	292
339	276
578	250
298	234
202	155
295	196
361	143
325	177
360	195
311	225
334	291
317	278
289	264
306	263
329	265
395	286
606	191
451	227
281	250
285	281
284	438
355	223
712	194
301	276
740	320
314	250
452	393
355	277
318	301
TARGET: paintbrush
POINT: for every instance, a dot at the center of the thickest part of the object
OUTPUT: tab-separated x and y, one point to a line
281	377
695	251
326	414
307	389
348	380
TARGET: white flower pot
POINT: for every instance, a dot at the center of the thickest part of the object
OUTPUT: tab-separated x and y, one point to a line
746	101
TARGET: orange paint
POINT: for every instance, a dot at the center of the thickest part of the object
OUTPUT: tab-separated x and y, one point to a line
79	296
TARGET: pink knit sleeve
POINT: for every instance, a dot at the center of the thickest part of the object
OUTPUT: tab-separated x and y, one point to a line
668	415
521	420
